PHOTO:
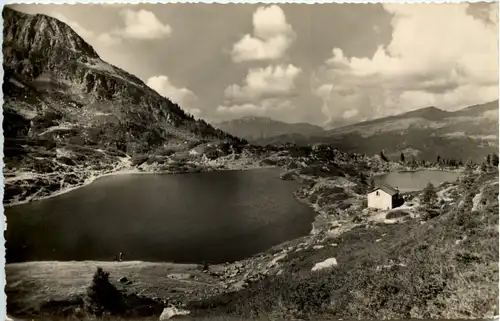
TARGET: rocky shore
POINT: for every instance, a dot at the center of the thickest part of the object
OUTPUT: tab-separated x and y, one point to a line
333	184
64	170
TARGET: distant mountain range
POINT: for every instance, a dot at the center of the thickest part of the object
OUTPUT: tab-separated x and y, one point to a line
57	90
425	133
59	93
259	128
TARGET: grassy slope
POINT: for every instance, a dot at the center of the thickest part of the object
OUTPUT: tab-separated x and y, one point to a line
428	286
449	269
32	285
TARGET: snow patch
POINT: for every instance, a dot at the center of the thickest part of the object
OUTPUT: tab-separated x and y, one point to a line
477	137
17	83
58	127
98	64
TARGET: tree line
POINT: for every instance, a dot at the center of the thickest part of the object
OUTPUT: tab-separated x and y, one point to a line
491	160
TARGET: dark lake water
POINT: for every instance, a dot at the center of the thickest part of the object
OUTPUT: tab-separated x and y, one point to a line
214	217
415	181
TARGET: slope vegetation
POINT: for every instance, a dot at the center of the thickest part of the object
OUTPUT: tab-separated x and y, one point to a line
442	267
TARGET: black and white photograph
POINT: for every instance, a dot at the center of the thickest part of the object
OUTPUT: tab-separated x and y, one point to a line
251	161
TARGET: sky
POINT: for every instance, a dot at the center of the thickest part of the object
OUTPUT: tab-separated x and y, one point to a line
325	64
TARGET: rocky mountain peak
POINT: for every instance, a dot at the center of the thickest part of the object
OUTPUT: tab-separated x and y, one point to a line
58	89
42	35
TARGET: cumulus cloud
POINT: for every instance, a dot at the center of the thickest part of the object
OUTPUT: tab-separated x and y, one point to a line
271	81
266	107
142	24
439	55
96	39
272	36
138	25
184	97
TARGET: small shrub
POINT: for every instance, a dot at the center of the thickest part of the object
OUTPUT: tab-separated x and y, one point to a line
43	166
271	162
165	152
429	196
357	219
429	213
47	119
396	214
138	160
103	296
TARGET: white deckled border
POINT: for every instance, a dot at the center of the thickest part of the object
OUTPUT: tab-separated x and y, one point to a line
7	2
3	307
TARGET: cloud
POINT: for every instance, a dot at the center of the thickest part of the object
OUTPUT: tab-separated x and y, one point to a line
350	113
79	29
439	55
142	25
271	81
266	107
184	97
138	25
108	39
272	36
103	39
196	112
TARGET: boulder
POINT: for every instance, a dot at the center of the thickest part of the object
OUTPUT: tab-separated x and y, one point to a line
171	312
328	263
288	176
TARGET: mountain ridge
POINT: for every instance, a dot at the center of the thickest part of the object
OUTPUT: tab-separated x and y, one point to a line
471	132
45	56
255	127
70	117
429	113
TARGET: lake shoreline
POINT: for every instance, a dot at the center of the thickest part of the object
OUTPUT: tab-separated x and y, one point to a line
229	276
432	169
129	170
319	213
258	262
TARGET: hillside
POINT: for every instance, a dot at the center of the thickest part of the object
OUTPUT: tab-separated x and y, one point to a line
471	132
68	111
471	120
440	267
392	264
257	128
